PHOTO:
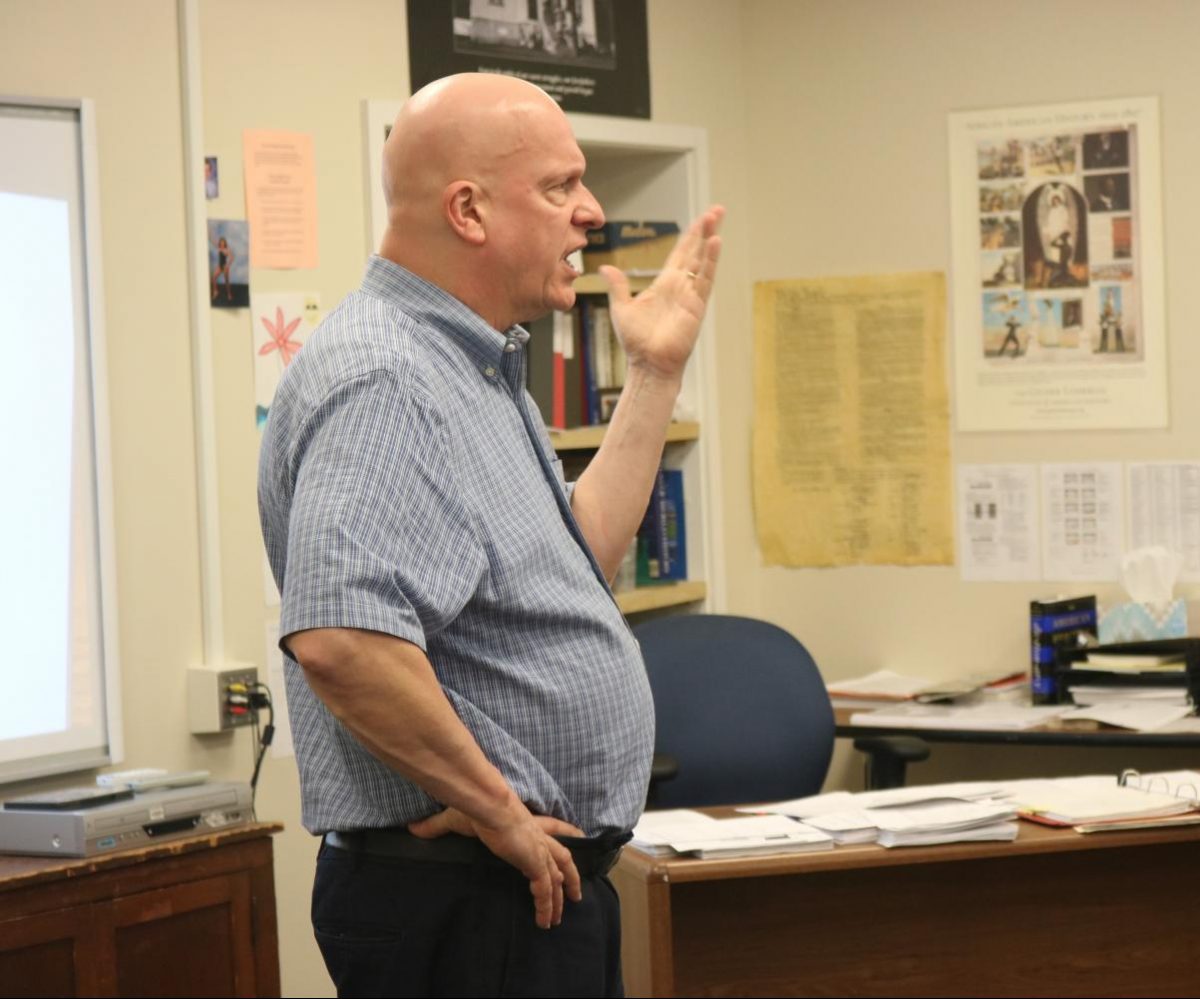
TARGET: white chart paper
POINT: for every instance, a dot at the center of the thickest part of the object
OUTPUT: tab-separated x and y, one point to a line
998	523
1082	522
1164	509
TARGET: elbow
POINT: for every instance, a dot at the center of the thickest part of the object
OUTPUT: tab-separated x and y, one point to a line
318	651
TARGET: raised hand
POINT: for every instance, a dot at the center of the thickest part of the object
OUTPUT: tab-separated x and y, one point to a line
658	328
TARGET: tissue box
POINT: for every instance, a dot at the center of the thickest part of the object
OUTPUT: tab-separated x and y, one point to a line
1134	622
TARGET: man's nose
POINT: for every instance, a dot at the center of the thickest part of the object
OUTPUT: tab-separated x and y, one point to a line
589	214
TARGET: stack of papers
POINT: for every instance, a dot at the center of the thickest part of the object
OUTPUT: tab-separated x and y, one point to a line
1139	715
1134	662
944	822
885	687
903	816
927	815
999	716
681	831
881	687
1089	695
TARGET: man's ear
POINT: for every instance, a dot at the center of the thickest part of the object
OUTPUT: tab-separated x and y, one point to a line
462	206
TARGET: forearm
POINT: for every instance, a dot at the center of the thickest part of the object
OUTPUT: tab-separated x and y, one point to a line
611	495
384	691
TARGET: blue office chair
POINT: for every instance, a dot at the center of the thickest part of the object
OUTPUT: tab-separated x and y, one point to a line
741	710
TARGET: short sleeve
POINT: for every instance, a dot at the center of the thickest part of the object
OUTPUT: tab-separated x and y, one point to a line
380	535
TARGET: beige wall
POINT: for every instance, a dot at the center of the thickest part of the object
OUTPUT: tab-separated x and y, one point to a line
827	135
847	118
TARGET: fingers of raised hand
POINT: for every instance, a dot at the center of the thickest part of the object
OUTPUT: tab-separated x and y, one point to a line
698	249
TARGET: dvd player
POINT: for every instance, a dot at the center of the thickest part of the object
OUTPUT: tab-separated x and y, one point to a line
55	824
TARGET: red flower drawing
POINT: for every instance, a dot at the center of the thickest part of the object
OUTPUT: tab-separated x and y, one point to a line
280	337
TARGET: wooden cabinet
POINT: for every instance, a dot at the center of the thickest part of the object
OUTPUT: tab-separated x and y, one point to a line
649	171
190	917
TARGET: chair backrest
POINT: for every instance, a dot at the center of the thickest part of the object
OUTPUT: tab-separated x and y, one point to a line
741	706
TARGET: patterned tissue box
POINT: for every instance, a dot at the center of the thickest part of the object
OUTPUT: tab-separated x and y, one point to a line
1134	622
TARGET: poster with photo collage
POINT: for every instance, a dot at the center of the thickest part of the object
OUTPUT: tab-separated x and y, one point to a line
1056	218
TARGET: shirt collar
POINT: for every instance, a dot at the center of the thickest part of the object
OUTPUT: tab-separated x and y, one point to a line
437	308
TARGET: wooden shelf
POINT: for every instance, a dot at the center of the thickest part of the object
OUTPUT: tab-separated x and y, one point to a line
586	438
646	598
594	284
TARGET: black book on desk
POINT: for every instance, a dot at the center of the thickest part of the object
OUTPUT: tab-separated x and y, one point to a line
1073	665
1056	627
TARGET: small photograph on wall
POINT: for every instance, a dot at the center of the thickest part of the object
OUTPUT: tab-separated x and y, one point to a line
212	178
589	55
1106	150
1107	192
1058	285
229	263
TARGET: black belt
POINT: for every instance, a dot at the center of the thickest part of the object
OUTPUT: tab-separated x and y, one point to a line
593	857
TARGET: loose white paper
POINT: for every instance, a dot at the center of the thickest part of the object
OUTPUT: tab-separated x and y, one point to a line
1082	522
998	523
1164	509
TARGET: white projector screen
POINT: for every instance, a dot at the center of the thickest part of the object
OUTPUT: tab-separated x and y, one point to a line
59	710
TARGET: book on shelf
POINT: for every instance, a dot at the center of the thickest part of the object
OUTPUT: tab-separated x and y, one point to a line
552	370
637	247
662	538
575	365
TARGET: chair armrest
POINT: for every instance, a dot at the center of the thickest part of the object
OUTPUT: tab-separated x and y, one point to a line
888	756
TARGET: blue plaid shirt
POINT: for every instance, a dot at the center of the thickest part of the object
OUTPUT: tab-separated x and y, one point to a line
407	486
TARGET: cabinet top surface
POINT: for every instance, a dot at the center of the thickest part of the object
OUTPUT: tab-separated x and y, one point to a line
21	871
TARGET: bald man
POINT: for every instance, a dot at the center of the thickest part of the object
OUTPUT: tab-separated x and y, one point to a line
472	721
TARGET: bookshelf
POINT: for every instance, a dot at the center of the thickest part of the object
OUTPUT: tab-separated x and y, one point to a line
589	438
665	595
593	284
643	170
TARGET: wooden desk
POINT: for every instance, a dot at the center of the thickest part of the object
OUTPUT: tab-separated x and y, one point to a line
192	916
1053	913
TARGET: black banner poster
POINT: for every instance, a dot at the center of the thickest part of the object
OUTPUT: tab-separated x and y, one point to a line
589	55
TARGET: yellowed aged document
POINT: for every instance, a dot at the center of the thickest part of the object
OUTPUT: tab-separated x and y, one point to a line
852	436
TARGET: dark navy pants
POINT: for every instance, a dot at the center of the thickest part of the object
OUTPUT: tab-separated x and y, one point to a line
391	926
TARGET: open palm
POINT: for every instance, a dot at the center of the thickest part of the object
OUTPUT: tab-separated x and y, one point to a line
658	328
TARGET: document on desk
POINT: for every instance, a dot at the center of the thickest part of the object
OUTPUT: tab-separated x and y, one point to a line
987	716
682	831
753	836
836	802
1088	695
1068	801
943	822
1004	832
1141	716
655	830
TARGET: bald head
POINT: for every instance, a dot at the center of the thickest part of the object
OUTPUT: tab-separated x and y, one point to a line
464	127
484	186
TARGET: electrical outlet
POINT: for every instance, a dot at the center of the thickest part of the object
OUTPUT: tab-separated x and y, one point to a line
219	697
